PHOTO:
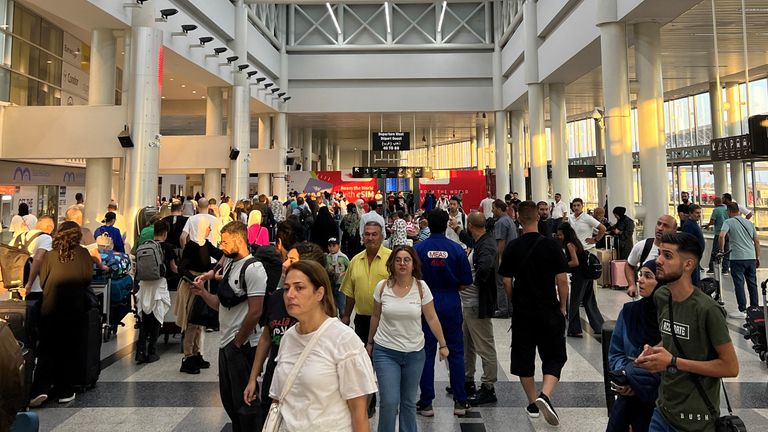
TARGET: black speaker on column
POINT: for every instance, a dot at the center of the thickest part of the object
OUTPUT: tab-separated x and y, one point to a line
233	153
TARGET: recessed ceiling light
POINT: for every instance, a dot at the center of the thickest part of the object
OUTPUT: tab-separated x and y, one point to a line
170	79
202	97
194	91
122	52
183	85
162	97
49	61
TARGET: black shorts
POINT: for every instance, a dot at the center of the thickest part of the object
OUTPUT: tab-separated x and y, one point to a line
545	331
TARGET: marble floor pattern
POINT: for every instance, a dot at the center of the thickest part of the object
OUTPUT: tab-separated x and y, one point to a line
158	397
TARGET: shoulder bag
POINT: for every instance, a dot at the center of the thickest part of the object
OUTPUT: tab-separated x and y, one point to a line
274	419
727	423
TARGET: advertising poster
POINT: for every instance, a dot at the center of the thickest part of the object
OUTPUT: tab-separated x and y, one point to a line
469	184
331	181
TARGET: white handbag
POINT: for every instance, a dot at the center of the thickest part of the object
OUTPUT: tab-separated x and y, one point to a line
274	419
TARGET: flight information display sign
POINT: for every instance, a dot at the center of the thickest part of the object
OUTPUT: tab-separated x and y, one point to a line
391	141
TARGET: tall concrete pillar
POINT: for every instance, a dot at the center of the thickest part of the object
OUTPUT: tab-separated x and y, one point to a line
718	131
98	171
517	145
306	151
618	142
502	154
337	157
650	114
143	167
238	174
281	143
265	140
733	107
214	118
559	139
538	138
480	161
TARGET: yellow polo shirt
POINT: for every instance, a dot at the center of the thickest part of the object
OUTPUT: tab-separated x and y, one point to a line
361	279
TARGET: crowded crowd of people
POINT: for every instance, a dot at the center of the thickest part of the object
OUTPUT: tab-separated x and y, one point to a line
323	301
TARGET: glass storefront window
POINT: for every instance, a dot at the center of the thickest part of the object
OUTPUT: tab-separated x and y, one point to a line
26	24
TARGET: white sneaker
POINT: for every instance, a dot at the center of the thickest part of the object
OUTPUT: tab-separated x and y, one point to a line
38	400
737	315
67	399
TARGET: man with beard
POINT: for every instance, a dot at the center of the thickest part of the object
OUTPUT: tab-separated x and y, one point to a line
245	278
684	207
694	358
645	250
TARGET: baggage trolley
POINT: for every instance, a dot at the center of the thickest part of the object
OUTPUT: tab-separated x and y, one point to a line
102	289
757	325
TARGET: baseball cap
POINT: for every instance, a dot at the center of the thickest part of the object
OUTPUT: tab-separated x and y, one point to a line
109	216
333	240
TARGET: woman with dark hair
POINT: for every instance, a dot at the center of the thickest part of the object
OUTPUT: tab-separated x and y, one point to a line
624	229
582	290
23	221
65	276
330	391
636	326
399	228
396	339
350	231
323	228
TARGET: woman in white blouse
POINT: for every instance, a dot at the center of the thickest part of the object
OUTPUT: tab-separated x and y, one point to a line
331	388
396	338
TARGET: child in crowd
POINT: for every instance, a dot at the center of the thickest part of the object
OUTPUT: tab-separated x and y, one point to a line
337	264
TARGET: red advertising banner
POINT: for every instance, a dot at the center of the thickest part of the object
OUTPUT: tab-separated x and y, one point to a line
333	181
470	185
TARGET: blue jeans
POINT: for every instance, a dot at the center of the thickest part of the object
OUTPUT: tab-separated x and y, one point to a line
399	373
659	423
341	301
451	320
742	270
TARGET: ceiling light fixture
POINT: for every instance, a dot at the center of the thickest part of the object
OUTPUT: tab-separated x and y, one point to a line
204	40
165	13
260	79
286	99
281	94
276	89
333	17
268	85
194	91
386	12
251	73
183	85
442	16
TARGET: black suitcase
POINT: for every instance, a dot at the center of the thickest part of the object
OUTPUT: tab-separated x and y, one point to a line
86	378
606	335
22	317
756	331
29	370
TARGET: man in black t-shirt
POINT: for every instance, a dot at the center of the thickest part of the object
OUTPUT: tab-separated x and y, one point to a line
683	208
538	298
176	224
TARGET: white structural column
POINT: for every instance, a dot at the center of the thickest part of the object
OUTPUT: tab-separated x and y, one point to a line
98	171
306	151
337	157
280	131
480	143
718	131
499	134
618	143
538	138
265	140
733	107
650	114
517	155
214	118
142	171
238	173
559	138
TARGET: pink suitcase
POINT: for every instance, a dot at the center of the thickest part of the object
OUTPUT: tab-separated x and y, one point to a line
618	279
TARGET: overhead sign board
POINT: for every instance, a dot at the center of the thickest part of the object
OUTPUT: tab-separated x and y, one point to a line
586	171
391	172
391	141
731	148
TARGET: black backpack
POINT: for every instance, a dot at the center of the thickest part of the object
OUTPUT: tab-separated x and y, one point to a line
270	258
226	294
591	267
305	217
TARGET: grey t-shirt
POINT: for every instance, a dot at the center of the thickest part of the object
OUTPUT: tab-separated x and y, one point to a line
741	233
230	319
505	229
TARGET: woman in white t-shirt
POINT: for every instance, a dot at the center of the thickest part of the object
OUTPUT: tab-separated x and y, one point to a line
396	339
331	390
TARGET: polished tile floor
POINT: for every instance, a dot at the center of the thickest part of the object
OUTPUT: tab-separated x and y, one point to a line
158	397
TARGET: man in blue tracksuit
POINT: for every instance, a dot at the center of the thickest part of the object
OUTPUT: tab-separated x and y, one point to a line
446	271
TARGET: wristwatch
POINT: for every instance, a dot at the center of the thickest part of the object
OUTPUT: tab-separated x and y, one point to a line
672	368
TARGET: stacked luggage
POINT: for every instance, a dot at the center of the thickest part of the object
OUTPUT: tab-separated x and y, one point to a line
757	326
121	289
613	272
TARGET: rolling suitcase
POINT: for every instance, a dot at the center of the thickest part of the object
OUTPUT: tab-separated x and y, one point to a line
618	278
22	317
26	422
605	257
91	353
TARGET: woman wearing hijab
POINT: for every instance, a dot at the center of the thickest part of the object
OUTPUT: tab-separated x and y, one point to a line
195	260
624	229
636	326
225	214
324	228
350	231
257	234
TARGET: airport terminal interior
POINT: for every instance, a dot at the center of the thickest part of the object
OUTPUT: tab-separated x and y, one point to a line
119	108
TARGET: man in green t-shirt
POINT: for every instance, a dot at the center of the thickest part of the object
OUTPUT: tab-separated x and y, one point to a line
701	345
719	215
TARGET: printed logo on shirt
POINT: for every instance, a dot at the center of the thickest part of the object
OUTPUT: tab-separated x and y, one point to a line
437	254
681	330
